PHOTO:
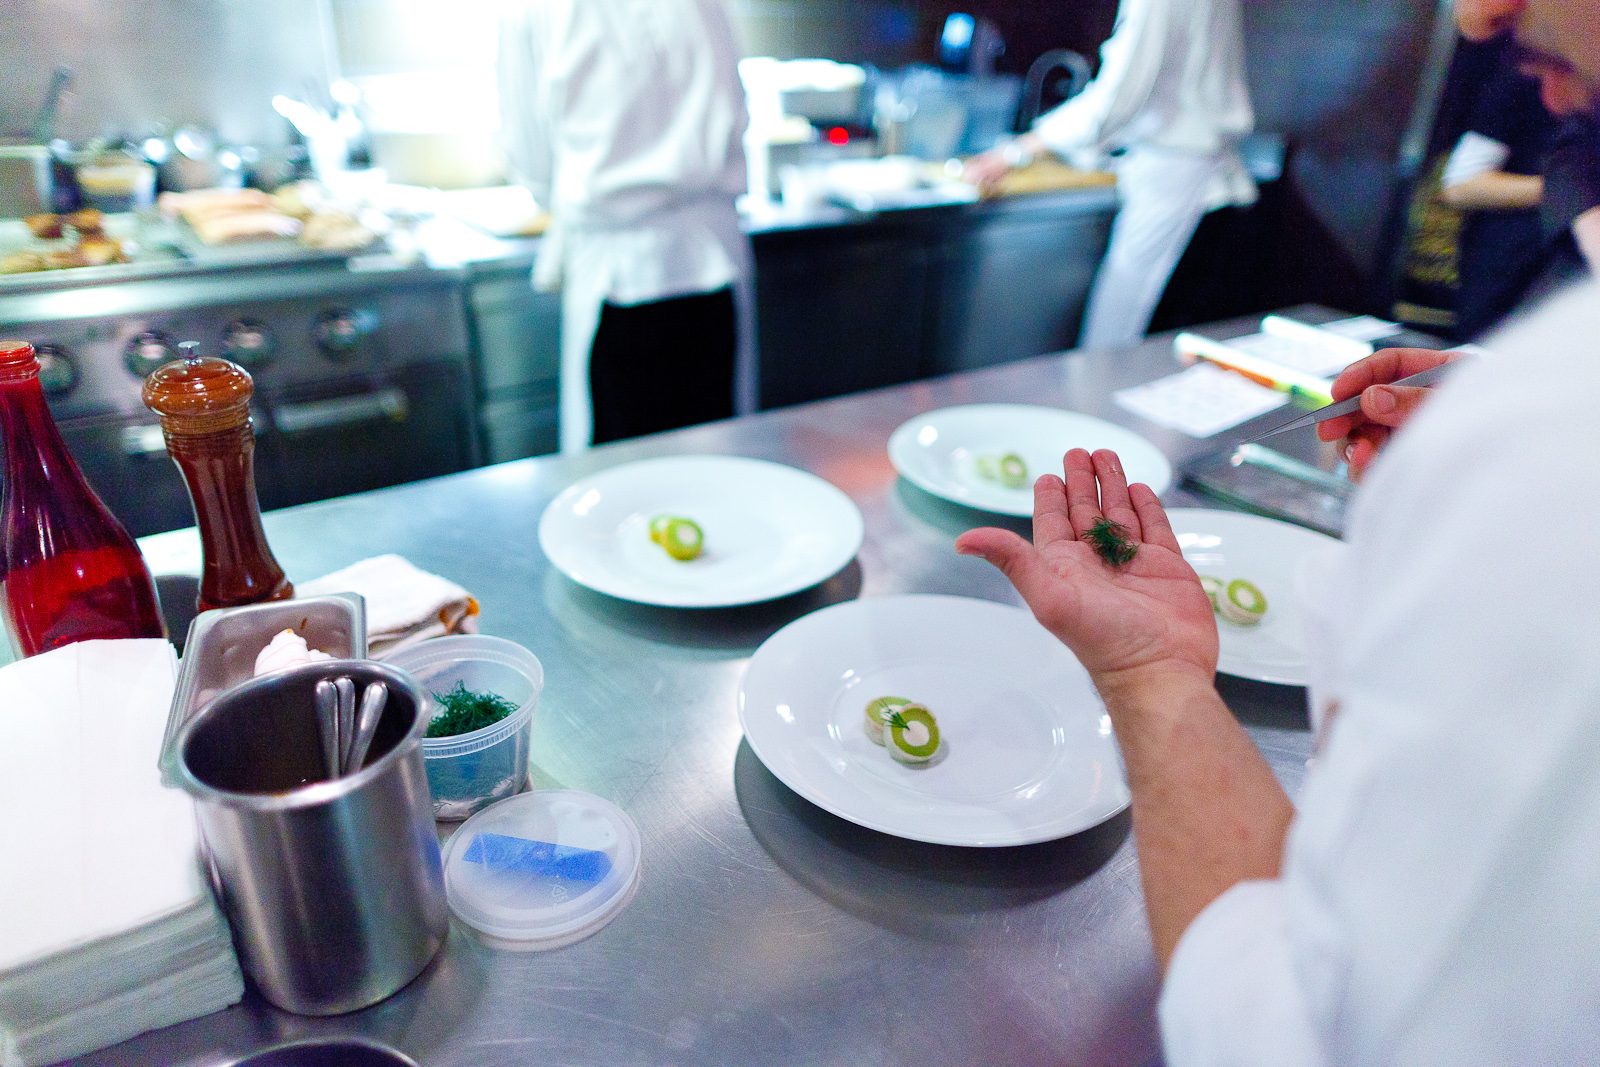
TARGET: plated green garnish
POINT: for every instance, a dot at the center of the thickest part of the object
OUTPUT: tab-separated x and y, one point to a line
466	711
1111	542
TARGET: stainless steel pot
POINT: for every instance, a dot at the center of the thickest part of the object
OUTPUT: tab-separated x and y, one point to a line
333	887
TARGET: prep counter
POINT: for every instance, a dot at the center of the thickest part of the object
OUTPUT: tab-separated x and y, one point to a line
765	931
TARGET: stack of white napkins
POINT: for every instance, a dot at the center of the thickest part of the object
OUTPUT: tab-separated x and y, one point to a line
108	927
405	604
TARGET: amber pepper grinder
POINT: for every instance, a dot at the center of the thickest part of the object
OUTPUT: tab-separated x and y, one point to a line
204	404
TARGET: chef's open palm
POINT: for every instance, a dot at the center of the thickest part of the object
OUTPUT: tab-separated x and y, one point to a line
1149	613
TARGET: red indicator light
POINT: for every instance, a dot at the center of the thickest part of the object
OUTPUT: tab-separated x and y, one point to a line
838	135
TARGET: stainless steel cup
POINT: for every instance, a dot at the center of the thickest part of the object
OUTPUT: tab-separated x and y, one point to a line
334	888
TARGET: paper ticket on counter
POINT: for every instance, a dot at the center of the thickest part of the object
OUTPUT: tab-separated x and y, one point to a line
1200	401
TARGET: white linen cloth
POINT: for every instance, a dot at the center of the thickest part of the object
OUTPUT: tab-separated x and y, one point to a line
405	604
1437	903
626	119
1171	90
107	925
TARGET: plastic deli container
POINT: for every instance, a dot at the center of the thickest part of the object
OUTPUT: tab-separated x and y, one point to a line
470	771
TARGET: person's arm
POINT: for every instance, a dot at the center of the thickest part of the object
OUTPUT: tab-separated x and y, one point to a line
525	123
1128	68
1384	407
1495	190
1207	811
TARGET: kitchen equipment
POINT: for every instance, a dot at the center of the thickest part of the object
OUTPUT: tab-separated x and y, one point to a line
1038	81
27	180
970	45
116	182
542	870
371	713
1259	479
1431	376
939	451
770	530
362	377
221	649
204	404
324	1052
467	772
1028	751
68	568
334	887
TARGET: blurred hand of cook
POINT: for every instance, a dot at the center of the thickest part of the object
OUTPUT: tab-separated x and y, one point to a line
985	170
1149	615
1384	407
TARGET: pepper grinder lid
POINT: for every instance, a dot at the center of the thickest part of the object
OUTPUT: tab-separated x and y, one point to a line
199	394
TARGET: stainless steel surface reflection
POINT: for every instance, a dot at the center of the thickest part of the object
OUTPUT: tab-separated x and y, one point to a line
766	932
335	1053
333	887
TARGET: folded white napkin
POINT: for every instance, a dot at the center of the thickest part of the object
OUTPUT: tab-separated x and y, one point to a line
108	927
404	603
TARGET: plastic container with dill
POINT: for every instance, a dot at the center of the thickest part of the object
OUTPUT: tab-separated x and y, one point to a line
470	679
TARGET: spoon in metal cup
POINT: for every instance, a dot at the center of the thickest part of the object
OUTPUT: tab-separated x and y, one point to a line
327	701
372	704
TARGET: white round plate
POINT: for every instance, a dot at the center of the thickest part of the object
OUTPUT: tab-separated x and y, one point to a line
1232	544
770	530
938	451
1028	751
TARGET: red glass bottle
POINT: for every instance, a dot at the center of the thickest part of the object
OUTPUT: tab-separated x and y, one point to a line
204	404
70	571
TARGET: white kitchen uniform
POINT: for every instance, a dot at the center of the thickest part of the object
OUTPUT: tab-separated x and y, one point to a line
1440	896
1171	91
626	119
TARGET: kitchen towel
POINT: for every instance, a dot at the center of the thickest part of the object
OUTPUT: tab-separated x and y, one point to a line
405	604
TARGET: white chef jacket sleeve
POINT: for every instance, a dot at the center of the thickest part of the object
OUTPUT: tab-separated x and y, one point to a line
1130	62
1231	995
526	114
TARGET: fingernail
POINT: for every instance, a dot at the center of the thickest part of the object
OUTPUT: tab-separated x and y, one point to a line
1383	401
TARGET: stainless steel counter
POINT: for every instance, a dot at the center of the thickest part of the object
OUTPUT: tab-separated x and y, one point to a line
766	931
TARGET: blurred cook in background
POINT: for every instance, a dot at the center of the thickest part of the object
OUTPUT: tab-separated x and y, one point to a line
1171	92
1571	173
626	118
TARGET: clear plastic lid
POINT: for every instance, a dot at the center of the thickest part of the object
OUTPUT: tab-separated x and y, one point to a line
543	869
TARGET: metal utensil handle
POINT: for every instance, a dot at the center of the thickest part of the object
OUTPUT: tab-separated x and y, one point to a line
327	699
372	704
347	719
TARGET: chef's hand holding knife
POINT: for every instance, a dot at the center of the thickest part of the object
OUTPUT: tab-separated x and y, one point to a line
1384	407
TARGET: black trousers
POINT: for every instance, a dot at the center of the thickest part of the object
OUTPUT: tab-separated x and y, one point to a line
662	365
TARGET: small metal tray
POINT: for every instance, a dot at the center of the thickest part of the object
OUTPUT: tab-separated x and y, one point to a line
1258	479
222	646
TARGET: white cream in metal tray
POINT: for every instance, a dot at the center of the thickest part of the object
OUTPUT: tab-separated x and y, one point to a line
222	646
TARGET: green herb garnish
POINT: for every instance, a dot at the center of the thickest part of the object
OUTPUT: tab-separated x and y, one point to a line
1110	541
466	711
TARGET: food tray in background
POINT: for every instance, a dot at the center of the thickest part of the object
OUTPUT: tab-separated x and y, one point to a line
222	646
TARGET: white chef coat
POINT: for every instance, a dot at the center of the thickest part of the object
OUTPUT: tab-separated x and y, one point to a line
1171	91
1440	896
626	119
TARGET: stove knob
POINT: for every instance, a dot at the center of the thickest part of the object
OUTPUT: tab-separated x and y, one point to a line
249	343
340	333
58	374
148	351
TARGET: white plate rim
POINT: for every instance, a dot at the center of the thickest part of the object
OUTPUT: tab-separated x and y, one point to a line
903	441
562	558
1233	665
1075	822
